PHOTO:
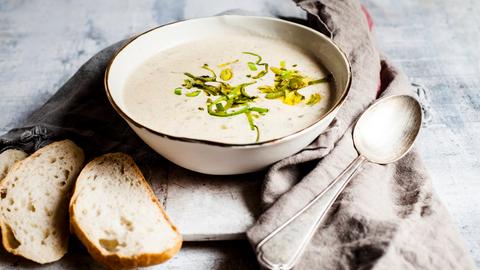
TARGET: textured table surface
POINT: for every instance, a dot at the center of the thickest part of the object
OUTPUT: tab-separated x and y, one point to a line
42	43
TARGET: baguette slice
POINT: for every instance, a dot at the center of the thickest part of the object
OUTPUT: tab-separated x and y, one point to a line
8	158
116	215
34	202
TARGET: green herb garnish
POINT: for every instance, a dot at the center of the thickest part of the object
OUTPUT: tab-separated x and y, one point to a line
193	94
275	95
323	80
260	74
314	99
213	77
257	63
231	100
250	122
287	82
292	97
252	66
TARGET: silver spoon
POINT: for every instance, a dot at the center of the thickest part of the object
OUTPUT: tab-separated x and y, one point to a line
384	133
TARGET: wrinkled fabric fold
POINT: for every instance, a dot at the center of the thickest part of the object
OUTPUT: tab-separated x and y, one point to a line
388	216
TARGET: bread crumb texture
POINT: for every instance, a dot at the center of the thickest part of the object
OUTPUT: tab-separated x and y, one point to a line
115	213
34	198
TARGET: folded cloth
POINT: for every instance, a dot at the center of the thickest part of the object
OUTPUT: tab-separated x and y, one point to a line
80	111
388	216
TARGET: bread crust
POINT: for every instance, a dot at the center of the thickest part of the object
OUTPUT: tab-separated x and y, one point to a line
115	261
3	226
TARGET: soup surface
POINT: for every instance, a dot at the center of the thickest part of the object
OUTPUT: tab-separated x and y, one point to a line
157	95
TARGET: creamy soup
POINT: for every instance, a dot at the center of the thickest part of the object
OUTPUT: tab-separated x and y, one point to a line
150	97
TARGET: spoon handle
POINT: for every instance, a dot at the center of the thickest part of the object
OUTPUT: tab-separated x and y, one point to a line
281	249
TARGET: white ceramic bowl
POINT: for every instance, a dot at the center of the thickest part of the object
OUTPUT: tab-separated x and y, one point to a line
212	157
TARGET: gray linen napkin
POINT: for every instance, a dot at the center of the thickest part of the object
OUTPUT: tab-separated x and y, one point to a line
388	217
80	111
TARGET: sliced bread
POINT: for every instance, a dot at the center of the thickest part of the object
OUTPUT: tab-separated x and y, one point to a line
34	198
116	215
8	158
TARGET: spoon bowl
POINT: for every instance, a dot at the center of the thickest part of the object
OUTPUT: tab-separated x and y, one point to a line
386	131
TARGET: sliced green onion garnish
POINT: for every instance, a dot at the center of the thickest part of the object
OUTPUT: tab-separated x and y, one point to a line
253	126
258	63
206	67
250	120
266	89
275	70
252	66
187	83
296	83
275	95
286	84
232	112
231	100
258	133
314	99
292	98
259	58
323	80
193	94
259	110
243	91
220	107
203	78
260	74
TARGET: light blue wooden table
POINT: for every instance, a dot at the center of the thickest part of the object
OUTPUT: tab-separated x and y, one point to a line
43	42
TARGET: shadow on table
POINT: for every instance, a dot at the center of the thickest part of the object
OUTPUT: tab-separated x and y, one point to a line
215	255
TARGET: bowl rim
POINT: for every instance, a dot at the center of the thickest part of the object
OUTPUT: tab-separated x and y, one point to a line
297	133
